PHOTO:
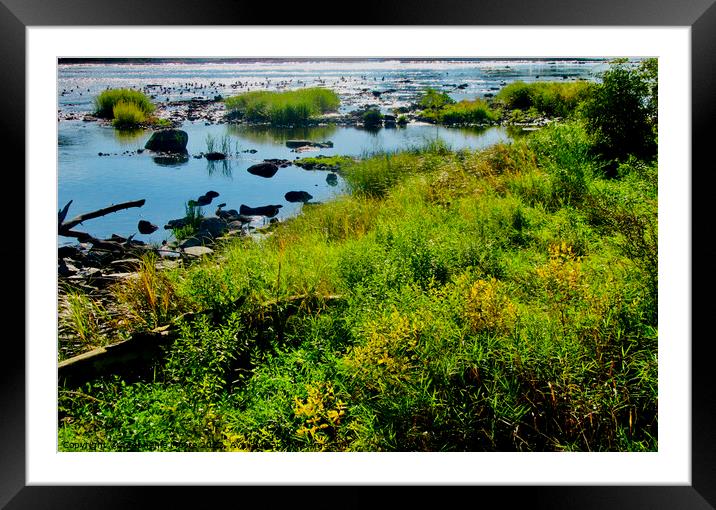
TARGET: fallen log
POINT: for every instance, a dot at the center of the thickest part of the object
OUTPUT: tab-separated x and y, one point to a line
135	356
68	225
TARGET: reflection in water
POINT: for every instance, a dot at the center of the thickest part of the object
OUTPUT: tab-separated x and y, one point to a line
128	136
171	159
518	131
372	130
270	134
222	166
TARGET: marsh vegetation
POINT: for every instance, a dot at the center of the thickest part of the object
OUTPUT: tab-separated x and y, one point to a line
502	299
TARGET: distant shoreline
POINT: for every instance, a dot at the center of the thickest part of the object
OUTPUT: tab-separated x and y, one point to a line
103	60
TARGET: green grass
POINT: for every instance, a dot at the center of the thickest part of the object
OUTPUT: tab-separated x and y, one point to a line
127	115
289	108
106	101
464	112
455	301
327	162
553	99
222	145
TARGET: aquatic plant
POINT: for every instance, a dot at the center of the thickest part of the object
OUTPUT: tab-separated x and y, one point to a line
287	108
105	102
127	115
222	145
464	112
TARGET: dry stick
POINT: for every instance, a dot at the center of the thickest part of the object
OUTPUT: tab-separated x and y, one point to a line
97	243
66	226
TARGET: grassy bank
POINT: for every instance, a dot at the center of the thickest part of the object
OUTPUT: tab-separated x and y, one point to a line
495	300
503	299
288	108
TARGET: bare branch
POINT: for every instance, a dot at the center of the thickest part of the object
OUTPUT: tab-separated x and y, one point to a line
66	226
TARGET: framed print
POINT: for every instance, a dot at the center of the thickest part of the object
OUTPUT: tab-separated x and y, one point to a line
304	364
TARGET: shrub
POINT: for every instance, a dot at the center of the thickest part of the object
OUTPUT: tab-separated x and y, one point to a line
554	99
621	113
106	101
434	100
464	112
488	307
372	117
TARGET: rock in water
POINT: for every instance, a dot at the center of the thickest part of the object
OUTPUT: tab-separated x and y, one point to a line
171	159
298	196
292	144
215	156
266	210
332	179
263	169
168	140
145	227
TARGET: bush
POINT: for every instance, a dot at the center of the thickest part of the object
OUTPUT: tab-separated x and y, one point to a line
372	118
434	100
621	113
107	100
466	112
553	99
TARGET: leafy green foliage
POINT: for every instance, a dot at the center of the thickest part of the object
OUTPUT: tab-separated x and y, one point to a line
434	100
372	118
502	300
554	99
464	112
621	112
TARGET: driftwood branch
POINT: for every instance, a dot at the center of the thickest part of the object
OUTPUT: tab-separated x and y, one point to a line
83	237
66	226
62	214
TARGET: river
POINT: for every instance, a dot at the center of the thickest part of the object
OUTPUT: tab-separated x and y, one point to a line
125	173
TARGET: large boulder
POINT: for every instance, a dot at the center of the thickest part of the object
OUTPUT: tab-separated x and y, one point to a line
168	140
263	169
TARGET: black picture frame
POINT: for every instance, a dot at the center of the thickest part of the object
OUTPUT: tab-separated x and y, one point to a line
16	15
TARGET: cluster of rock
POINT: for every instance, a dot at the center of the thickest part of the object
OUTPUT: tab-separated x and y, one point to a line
100	260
